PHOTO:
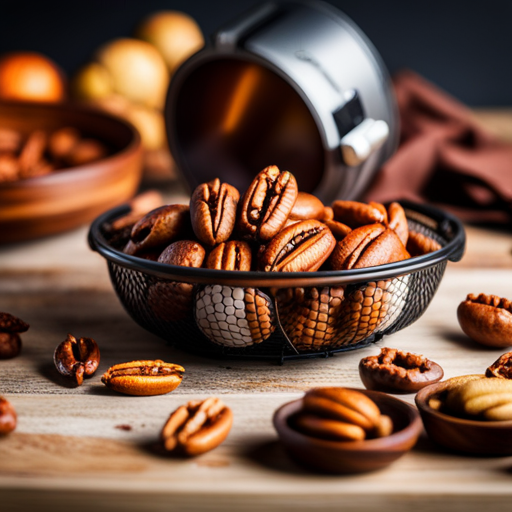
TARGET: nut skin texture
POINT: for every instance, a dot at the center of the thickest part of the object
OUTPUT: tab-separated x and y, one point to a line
501	368
8	418
356	214
197	428
213	211
184	253
306	207
397	221
419	244
10	345
232	255
266	204
487	319
394	371
143	378
77	358
12	324
301	247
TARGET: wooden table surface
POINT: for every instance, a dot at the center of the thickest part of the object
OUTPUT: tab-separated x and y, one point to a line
90	449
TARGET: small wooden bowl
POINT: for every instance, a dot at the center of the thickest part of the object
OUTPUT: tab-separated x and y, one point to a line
461	435
351	456
67	198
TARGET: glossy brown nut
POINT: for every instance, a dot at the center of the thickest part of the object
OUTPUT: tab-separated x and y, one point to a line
501	368
32	152
397	221
419	244
338	229
213	211
306	207
324	428
160	227
487	319
267	203
12	324
61	142
328	214
185	253
8	417
356	214
10	345
197	427
301	247
143	378
232	255
395	371
77	358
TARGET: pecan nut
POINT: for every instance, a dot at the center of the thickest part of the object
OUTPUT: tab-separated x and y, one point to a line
306	207
143	378
213	211
338	229
267	203
487	319
10	345
198	427
10	323
356	214
501	368
301	247
77	358
419	244
232	255
7	417
397	221
184	253
395	371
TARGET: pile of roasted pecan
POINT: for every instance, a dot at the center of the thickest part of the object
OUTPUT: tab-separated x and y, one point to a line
40	152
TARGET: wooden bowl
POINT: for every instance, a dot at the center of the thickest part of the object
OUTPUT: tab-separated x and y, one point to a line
351	456
474	437
67	198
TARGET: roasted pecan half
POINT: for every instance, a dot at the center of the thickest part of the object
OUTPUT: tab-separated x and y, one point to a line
213	211
301	247
487	319
356	214
395	371
11	323
198	427
267	203
367	246
397	221
306	207
160	227
185	253
419	244
77	358
232	255
7	417
501	368
338	229
143	378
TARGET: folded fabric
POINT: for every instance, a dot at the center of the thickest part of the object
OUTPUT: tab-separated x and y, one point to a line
445	157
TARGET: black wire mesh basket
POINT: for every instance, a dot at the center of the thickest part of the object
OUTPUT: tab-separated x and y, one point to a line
280	315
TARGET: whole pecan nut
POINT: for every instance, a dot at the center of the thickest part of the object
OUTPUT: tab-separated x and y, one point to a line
143	378
301	247
356	214
501	368
213	211
198	427
306	207
7	417
395	371
232	255
267	203
419	244
487	319
77	358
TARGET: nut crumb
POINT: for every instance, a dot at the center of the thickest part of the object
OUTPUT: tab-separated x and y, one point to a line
126	428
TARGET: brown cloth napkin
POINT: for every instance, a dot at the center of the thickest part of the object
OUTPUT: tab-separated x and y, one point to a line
445	157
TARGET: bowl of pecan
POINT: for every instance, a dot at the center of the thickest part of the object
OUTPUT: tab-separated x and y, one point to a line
60	166
344	430
273	272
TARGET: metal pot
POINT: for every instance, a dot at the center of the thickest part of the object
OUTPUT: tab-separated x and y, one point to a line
296	84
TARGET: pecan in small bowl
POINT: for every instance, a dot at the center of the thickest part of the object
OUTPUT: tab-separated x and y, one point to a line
394	371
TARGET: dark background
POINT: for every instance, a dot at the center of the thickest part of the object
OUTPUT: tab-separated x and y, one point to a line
463	47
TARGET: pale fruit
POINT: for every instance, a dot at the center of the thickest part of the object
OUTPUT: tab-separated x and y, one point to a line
175	34
91	82
137	70
150	124
30	76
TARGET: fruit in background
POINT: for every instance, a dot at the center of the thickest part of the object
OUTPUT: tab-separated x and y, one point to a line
175	35
137	71
28	76
91	82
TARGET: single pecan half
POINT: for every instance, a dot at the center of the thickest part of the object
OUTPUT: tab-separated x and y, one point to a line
501	368
143	378
395	371
397	221
487	319
338	229
306	207
232	255
213	211
301	247
77	358
267	203
356	214
7	417
419	244
12	324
